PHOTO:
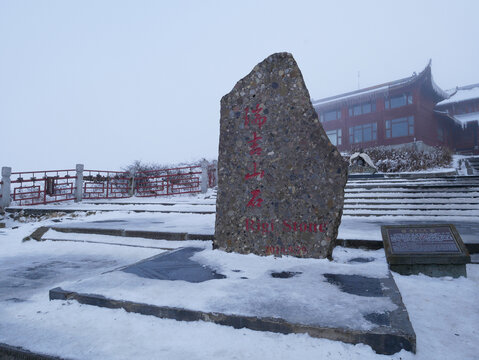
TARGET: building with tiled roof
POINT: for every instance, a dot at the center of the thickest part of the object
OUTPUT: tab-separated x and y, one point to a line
406	111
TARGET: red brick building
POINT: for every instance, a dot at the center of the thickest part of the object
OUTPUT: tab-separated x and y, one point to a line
408	110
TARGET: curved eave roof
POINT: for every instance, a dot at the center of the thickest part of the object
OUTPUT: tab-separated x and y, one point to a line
382	90
464	93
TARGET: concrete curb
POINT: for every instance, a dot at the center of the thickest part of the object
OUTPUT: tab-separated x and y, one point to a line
473	248
8	352
155	235
26	211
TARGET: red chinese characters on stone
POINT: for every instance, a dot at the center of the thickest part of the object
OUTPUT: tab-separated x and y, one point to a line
255	149
255	200
258	118
255	173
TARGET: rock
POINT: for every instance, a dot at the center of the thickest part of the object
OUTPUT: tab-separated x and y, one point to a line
361	163
37	234
280	180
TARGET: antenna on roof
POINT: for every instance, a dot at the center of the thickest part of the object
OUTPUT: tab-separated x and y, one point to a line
358	79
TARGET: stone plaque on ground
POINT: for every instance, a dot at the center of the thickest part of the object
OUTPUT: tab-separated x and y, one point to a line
280	180
435	250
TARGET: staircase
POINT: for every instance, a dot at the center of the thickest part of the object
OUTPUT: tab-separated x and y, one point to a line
456	196
473	165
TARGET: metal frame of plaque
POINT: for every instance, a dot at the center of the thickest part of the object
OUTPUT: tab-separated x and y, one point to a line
433	249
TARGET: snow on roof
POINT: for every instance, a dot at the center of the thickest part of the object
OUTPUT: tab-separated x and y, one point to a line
462	119
464	93
450	92
349	95
465	118
382	89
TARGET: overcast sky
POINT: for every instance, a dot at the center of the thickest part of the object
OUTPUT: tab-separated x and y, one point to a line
105	83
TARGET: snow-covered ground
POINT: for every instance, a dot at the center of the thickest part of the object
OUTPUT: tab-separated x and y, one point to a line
250	290
443	311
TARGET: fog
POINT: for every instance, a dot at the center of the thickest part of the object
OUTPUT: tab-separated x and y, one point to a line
105	83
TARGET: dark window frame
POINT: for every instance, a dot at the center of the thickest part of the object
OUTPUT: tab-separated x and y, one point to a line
357	133
401	100
361	108
395	124
324	115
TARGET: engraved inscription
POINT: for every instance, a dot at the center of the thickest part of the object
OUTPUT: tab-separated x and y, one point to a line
422	240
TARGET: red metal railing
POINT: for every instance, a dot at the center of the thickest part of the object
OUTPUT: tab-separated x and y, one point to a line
182	180
100	184
42	187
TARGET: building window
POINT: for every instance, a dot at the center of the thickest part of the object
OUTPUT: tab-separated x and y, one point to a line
330	115
335	136
440	134
398	101
364	108
400	127
362	133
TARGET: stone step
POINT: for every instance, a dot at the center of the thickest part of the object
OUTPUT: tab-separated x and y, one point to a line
412	201
399	205
422	213
359	195
379	215
412	190
389	177
415	186
411	207
465	180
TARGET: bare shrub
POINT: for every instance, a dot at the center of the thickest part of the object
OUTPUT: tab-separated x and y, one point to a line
408	159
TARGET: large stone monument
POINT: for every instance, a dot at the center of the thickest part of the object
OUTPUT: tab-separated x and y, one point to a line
281	191
280	180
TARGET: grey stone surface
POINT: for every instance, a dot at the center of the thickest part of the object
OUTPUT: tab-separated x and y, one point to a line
79	182
280	180
356	284
5	187
174	265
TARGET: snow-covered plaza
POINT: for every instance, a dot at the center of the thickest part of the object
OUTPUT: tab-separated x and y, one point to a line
443	311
